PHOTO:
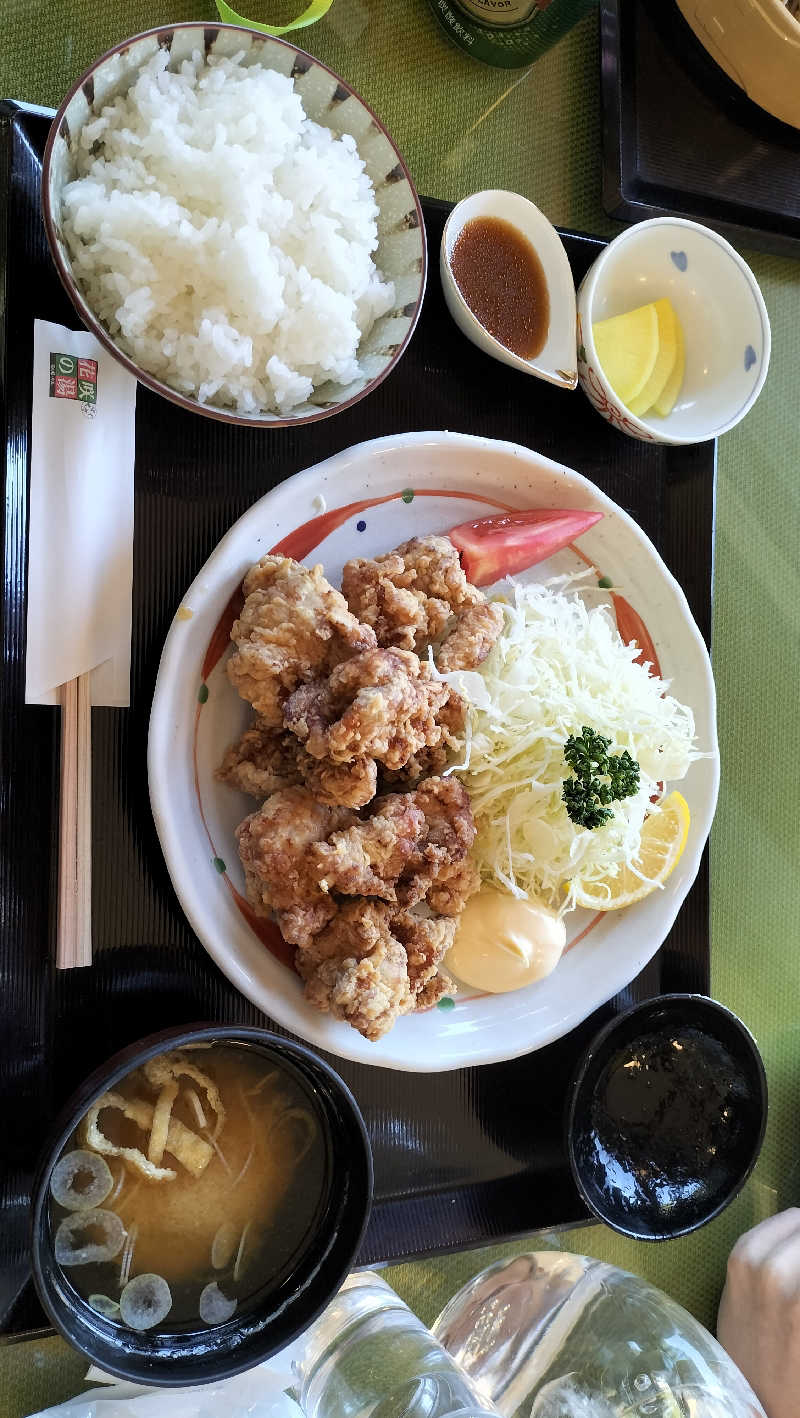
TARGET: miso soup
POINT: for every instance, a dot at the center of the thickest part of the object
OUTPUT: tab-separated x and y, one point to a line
191	1189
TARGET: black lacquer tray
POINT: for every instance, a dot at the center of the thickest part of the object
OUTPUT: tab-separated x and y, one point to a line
460	1158
681	139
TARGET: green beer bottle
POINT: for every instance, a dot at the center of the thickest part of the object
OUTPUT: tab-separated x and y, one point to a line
508	33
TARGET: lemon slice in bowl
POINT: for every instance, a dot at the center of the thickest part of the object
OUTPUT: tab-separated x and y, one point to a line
664	837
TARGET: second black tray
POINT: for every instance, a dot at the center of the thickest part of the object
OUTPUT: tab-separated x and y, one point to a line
461	1158
681	139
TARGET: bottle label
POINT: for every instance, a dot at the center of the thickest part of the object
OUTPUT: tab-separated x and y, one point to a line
508	33
502	12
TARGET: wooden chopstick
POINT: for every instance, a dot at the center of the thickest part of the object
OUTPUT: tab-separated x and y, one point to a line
74	925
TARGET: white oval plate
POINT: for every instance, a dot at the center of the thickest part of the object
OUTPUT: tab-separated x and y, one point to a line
454	477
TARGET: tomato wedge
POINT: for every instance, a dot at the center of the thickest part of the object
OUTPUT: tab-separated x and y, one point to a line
494	547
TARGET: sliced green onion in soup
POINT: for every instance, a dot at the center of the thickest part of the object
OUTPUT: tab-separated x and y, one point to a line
81	1180
89	1237
224	1245
215	1308
145	1301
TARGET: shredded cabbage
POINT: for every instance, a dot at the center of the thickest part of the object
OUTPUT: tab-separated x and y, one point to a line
559	664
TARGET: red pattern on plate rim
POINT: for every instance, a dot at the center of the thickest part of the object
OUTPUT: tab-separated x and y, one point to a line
300	543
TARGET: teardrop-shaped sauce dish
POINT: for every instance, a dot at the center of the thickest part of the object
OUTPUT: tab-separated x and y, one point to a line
508	284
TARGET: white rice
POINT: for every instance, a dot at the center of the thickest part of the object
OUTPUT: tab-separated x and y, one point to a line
223	239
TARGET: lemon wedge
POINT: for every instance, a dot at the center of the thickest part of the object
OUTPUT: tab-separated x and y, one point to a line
665	359
665	402
627	348
664	837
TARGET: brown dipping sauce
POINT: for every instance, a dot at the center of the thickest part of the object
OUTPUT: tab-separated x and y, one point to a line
502	280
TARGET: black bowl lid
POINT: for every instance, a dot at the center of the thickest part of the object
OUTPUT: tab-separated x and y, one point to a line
666	1116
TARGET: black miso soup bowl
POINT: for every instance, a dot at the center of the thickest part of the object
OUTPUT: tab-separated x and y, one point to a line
298	1296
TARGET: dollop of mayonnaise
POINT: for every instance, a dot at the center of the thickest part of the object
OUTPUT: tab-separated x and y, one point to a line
502	943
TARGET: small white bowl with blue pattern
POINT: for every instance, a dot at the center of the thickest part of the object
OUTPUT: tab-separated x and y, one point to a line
724	319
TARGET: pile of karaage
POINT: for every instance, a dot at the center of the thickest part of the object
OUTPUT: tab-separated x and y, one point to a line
347	706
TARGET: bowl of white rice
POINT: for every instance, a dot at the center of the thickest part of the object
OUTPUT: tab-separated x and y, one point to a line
234	224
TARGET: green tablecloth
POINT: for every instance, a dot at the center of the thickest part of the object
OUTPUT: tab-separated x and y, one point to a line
461	127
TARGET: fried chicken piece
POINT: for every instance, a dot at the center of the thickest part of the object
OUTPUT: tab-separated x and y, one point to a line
352	784
402	618
422	764
448	815
293	627
426	940
380	704
452	887
430	761
367	859
262	761
412	847
273	847
369	966
432	992
438	871
410	596
452	717
357	970
340	887
471	638
265	760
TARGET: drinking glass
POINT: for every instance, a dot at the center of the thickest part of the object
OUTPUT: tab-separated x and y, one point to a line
560	1336
368	1356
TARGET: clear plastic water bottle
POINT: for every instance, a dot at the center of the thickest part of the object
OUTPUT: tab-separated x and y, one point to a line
368	1356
